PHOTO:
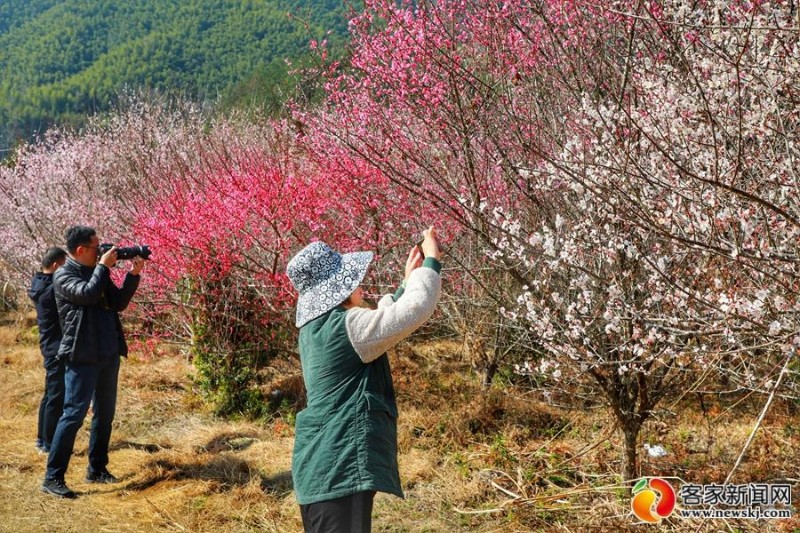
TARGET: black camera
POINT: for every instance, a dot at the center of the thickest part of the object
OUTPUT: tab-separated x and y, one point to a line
127	252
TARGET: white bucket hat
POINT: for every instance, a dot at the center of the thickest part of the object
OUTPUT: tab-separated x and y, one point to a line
324	278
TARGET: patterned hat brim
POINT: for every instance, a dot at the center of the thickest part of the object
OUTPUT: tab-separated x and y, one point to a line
334	290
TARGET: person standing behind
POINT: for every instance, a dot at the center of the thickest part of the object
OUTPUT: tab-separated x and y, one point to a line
43	296
346	438
93	340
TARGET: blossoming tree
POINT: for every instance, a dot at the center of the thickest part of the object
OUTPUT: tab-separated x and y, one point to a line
631	166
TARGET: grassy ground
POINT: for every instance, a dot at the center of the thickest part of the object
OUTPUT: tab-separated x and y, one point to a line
470	460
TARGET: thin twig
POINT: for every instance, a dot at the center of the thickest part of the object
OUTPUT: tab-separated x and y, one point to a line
699	26
165	515
783	372
505	490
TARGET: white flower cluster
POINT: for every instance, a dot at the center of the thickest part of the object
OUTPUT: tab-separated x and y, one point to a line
676	224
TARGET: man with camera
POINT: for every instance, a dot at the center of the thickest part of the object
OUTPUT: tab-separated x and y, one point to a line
93	341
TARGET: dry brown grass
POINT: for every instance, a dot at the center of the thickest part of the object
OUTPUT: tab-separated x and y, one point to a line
470	460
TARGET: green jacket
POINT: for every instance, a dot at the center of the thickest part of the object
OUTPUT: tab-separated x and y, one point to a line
346	438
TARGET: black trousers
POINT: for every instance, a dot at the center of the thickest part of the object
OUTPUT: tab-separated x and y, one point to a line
52	403
349	514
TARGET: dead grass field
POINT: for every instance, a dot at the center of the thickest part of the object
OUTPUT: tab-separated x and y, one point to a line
470	460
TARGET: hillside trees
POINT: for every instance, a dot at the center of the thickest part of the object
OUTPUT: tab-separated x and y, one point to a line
67	59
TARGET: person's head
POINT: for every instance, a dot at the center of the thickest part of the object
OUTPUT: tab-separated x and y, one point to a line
356	299
82	245
324	279
53	258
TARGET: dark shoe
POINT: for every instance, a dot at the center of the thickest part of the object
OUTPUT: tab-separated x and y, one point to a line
104	476
57	487
42	449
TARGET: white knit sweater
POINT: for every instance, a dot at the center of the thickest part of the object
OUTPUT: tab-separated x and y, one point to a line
373	331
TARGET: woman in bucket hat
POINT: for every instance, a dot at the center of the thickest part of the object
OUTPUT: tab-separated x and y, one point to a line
345	446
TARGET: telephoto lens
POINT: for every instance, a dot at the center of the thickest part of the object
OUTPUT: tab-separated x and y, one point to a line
128	252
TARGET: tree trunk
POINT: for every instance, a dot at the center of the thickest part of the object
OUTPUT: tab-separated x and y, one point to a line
630	467
487	375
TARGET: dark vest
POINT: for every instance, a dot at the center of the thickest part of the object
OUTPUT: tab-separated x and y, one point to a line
346	438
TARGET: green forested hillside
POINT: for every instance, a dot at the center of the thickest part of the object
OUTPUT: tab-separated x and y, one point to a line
62	59
15	13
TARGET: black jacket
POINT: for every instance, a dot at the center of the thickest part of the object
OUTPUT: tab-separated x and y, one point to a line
42	294
88	308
